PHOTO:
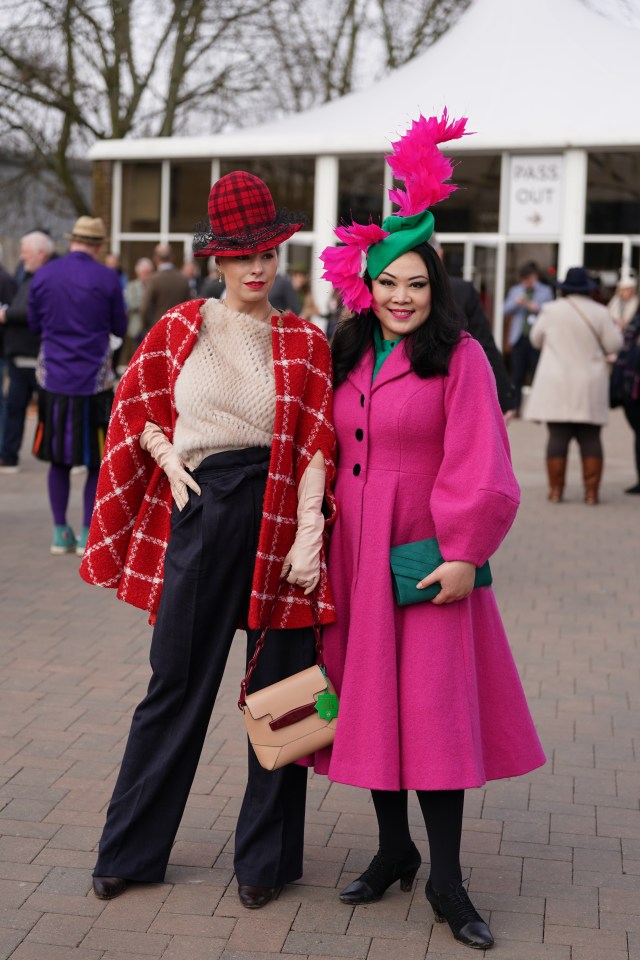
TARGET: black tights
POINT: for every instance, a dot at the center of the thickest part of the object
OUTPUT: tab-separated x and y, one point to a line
442	812
561	434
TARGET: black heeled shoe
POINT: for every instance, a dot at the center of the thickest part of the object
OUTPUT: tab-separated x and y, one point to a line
380	874
108	888
454	906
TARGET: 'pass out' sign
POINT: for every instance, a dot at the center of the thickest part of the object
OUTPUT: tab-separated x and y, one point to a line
535	187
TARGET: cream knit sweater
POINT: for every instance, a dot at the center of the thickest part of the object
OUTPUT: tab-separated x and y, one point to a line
225	392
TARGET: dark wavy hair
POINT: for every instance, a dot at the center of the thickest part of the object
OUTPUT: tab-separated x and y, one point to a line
429	347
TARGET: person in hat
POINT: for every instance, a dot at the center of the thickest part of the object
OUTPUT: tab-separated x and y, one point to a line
625	302
75	306
570	389
218	464
430	698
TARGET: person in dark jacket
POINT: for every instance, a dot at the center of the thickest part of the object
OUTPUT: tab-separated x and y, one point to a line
475	321
21	350
8	287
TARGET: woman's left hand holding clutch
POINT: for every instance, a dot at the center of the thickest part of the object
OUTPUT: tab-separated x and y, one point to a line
456	577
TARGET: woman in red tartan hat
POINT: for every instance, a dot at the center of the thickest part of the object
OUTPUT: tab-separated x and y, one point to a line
214	493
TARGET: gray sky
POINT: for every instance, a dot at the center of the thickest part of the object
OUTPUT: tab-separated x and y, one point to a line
624	11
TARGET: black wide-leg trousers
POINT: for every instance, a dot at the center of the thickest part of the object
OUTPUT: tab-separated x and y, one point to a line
207	584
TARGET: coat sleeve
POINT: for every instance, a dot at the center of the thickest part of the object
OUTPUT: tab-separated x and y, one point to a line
510	305
475	496
17	313
34	311
537	332
118	310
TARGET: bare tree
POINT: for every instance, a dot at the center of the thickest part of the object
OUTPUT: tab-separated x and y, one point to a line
406	30
313	49
74	71
320	51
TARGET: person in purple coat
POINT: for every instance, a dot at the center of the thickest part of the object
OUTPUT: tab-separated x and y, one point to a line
75	307
430	697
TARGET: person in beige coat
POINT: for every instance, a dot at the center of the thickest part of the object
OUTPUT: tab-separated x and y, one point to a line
570	390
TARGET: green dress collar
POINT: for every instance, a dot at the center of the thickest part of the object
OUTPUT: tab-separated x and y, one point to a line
381	348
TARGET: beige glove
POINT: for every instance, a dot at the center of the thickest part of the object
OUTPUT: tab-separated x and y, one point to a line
302	564
154	441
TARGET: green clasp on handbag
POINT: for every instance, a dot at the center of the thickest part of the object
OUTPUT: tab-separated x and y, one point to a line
412	562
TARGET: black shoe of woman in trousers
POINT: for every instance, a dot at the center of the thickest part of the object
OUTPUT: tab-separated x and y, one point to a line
380	874
454	906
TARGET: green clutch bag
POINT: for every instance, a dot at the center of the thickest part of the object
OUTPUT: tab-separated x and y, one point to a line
412	562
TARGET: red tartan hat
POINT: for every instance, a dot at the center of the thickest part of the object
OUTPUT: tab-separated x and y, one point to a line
243	218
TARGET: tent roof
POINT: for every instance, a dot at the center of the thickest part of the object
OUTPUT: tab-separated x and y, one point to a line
541	76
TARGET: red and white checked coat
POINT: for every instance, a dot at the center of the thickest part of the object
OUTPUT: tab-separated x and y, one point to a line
131	519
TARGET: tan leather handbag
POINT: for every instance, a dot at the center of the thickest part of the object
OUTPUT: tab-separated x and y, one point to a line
293	717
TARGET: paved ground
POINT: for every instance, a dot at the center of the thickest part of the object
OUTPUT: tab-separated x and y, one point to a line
553	858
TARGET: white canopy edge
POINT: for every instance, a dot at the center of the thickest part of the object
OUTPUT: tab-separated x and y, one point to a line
536	77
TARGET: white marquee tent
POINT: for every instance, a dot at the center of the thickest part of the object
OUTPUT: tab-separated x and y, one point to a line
551	74
551	77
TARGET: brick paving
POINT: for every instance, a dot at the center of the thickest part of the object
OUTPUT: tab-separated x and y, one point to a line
553	858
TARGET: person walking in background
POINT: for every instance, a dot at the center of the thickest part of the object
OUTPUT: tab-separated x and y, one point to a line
166	288
301	282
430	698
133	298
112	260
8	284
191	271
8	287
75	305
226	463
521	307
21	348
570	390
213	286
624	304
284	295
475	320
625	387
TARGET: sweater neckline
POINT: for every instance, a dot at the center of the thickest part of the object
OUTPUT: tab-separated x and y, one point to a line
213	310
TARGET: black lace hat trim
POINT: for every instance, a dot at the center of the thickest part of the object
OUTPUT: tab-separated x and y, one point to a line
205	237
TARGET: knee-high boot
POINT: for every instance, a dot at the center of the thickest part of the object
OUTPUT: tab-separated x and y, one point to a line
556	470
592	474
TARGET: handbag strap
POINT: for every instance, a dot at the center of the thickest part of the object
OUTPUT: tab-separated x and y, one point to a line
263	636
588	323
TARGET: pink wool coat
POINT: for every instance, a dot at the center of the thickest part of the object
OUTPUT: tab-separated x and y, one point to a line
430	698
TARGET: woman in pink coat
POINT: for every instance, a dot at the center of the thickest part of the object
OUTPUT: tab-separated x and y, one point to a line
430	698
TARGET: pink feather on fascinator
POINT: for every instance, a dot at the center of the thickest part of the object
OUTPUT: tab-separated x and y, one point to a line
415	158
344	267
